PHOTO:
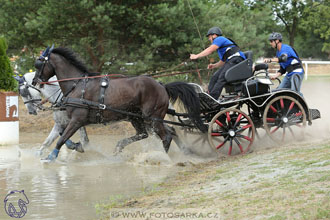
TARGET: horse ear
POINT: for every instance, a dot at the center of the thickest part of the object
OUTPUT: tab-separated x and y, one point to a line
45	53
52	48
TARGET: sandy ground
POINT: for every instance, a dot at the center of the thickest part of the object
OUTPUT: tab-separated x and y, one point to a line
273	182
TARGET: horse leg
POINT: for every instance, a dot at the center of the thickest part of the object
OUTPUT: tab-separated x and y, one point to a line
141	133
55	132
72	127
182	146
83	136
163	133
61	118
83	141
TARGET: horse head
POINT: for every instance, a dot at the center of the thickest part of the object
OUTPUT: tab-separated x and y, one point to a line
44	68
30	94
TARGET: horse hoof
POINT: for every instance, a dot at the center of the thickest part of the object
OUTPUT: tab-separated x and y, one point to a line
117	151
48	159
51	157
79	148
70	144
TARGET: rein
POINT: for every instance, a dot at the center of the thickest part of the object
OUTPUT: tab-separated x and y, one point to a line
84	77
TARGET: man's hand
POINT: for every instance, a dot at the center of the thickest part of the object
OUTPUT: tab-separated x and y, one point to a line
275	76
211	66
193	56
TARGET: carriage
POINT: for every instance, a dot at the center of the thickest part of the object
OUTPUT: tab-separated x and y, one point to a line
230	123
250	107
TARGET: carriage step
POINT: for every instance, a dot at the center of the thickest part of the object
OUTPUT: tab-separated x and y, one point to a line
314	114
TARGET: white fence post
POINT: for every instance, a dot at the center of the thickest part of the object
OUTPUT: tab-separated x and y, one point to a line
9	124
312	62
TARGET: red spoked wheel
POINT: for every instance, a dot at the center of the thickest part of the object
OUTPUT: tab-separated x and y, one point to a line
231	131
284	119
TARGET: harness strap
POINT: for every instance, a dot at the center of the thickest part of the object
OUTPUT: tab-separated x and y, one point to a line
84	87
104	86
87	104
32	100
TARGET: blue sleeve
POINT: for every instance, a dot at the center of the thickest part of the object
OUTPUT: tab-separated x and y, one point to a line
219	41
286	49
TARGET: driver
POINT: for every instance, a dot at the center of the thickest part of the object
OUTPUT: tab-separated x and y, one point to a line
289	62
229	54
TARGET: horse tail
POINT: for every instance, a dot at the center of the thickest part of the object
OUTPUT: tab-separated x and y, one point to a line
190	99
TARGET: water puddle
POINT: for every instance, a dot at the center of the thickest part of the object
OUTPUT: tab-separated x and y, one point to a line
72	186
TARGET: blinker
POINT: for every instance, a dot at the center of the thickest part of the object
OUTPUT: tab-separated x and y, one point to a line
38	64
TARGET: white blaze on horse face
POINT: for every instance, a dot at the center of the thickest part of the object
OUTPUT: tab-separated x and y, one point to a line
27	93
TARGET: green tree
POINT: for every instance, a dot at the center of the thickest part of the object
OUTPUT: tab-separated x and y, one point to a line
248	26
134	36
110	34
14	15
317	21
7	82
288	13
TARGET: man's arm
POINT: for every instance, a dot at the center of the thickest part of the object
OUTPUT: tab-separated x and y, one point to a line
216	65
280	72
205	52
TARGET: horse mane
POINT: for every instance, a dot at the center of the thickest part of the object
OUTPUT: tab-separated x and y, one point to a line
71	57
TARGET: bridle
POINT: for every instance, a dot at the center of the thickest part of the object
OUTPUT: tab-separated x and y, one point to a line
25	92
38	103
40	64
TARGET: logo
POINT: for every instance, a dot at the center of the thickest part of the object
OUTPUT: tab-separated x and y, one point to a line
15	204
11	106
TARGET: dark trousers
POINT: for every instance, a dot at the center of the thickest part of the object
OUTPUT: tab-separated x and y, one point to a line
218	80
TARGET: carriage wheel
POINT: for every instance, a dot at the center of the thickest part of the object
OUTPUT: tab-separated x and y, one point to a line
231	131
284	119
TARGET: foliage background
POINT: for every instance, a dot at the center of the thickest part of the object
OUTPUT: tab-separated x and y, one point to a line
7	82
143	36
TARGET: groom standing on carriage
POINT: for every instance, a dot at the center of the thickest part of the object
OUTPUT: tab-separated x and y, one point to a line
229	54
289	62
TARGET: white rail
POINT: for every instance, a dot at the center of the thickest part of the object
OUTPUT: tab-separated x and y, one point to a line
312	62
260	60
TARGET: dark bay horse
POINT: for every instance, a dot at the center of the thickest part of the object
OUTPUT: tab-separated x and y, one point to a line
140	100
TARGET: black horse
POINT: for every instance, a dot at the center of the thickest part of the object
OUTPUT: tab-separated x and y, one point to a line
89	99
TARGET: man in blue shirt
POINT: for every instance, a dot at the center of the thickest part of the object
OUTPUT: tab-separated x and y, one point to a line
229	54
289	62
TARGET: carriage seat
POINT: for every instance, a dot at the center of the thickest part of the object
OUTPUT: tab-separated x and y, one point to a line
235	75
261	66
